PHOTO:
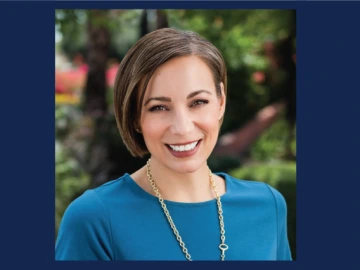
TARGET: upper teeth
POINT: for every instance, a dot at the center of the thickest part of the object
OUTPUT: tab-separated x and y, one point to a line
185	147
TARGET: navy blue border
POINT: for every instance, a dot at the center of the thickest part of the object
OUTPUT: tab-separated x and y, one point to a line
328	139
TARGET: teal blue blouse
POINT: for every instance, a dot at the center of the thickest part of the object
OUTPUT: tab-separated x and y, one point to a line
120	221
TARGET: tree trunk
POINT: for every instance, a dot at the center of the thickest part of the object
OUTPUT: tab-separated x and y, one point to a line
106	157
144	27
98	50
161	19
95	102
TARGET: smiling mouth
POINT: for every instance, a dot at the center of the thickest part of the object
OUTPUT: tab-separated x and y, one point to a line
183	147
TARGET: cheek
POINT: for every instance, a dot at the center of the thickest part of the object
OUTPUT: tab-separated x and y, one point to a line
152	129
209	122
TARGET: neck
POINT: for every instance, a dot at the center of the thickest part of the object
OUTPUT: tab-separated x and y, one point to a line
181	187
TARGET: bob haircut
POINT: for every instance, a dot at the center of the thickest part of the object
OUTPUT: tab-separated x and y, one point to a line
139	64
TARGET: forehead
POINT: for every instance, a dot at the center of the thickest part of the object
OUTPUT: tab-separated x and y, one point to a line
181	75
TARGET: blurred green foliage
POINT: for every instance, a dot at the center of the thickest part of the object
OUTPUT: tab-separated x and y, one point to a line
271	145
70	181
224	163
66	118
122	25
70	24
70	177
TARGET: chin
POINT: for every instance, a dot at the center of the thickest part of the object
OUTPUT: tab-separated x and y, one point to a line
185	166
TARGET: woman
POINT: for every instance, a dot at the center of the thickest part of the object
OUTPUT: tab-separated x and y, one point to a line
170	97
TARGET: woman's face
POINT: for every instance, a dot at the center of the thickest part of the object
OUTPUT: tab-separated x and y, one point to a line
180	114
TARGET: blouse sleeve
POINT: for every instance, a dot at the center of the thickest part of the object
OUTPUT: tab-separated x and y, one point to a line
84	232
284	252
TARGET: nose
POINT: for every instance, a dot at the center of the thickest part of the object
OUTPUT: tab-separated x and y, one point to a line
182	123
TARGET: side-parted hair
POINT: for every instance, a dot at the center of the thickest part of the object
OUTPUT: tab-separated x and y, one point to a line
139	64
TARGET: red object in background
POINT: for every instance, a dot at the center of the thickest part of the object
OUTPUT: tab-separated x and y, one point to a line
111	74
83	68
71	80
60	88
258	77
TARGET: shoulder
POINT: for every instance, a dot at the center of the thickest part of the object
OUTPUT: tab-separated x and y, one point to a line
235	185
91	206
86	209
255	190
279	200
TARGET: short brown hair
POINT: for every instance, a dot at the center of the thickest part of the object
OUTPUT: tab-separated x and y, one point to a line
139	64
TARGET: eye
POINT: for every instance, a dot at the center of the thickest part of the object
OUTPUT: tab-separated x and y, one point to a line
157	108
199	102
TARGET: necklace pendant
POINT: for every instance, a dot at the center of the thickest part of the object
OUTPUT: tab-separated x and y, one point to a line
223	247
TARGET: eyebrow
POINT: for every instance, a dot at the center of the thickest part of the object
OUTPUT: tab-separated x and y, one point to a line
167	99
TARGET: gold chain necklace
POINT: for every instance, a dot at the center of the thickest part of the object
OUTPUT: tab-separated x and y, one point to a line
223	247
